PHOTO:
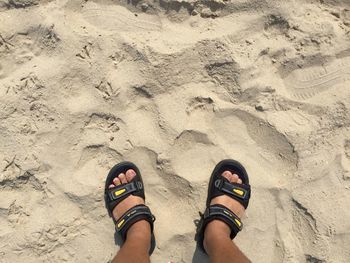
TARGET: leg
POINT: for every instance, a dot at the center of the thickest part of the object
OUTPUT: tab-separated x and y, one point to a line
219	246
136	246
138	238
217	241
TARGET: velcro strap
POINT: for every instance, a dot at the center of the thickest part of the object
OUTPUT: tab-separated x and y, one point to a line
222	213
133	215
218	212
121	191
239	191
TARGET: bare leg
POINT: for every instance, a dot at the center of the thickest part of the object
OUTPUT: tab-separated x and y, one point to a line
217	241
219	246
138	238
136	246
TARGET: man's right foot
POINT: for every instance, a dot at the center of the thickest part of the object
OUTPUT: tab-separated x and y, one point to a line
216	228
140	228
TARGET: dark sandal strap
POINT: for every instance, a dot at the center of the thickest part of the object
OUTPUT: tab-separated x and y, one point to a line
133	215
239	192
120	192
219	212
117	194
224	214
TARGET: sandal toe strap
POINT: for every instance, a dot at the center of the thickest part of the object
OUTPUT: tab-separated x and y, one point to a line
239	192
117	194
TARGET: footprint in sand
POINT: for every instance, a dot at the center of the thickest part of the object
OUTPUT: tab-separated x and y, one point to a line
307	82
236	134
118	18
24	46
106	122
346	160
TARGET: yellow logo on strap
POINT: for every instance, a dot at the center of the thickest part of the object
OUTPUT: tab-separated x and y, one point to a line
120	223
237	222
119	192
238	191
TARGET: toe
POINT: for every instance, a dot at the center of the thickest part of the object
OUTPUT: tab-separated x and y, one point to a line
111	186
130	174
234	178
116	181
227	175
122	178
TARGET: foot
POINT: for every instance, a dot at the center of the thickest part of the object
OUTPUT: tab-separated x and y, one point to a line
141	227
216	228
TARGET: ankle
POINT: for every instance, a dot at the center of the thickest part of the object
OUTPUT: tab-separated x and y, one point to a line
214	231
140	230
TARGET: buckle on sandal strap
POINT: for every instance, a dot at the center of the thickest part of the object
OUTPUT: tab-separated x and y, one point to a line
219	183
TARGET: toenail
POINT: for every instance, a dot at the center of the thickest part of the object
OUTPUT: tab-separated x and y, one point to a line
131	172
115	180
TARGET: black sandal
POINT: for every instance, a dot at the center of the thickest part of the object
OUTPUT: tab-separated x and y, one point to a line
218	186
117	194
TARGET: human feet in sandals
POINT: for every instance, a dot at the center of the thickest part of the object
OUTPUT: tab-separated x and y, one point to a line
125	202
228	197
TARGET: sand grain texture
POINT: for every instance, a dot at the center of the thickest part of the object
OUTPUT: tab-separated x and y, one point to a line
174	86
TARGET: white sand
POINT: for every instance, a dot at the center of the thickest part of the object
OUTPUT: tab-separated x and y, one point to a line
86	84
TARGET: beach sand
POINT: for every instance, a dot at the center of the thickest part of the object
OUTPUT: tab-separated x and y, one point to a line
174	86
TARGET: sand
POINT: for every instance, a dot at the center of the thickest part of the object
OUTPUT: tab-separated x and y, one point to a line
174	86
